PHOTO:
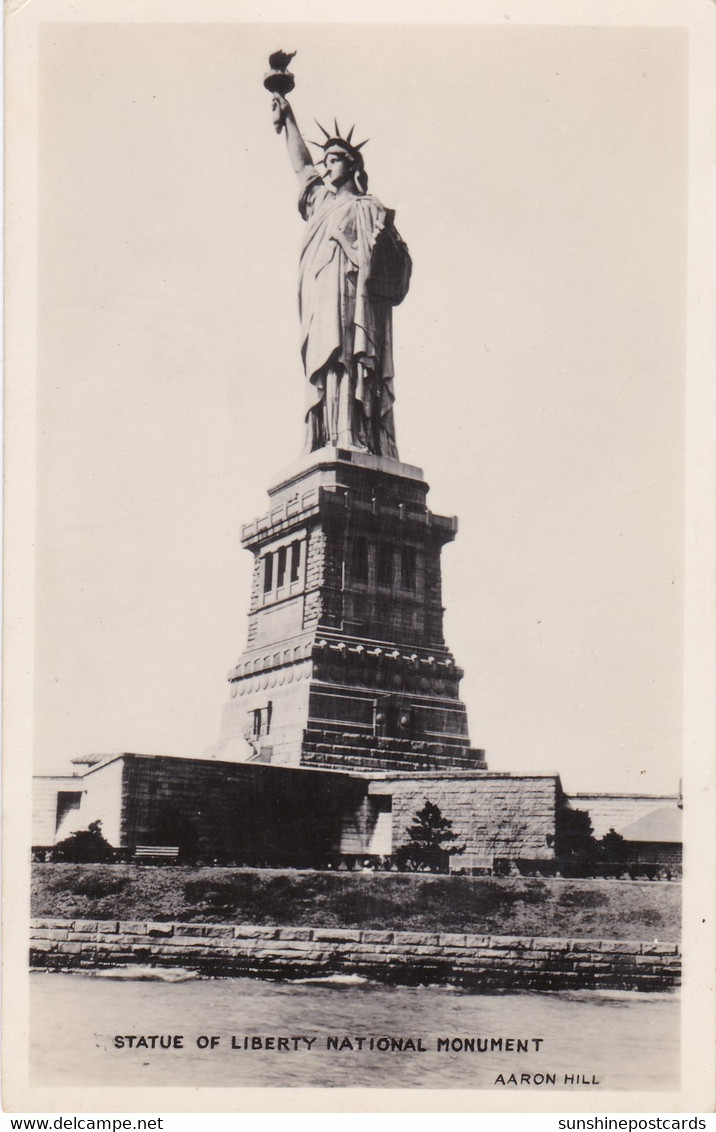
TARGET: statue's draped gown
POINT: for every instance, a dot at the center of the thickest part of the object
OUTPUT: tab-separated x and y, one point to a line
346	334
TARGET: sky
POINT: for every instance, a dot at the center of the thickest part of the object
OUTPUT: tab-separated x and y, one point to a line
539	179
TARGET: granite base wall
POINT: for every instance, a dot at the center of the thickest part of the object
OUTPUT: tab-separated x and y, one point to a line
228	811
256	814
496	815
487	962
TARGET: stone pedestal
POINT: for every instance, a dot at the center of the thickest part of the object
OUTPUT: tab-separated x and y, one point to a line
346	665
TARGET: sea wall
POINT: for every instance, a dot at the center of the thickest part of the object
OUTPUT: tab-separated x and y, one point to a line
484	961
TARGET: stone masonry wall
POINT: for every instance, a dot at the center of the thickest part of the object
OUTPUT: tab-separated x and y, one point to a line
493	816
335	750
255	599
314	575
433	596
397	957
230	811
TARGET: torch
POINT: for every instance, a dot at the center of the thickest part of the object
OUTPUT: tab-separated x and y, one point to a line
278	80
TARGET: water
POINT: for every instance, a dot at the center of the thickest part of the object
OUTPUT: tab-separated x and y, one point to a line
622	1040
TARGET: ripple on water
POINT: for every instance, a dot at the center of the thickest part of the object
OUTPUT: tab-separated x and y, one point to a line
625	1040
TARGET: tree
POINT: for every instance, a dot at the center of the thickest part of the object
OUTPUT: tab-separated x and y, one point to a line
613	846
574	834
430	845
85	846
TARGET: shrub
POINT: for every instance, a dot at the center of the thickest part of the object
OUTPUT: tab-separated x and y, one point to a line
86	846
96	887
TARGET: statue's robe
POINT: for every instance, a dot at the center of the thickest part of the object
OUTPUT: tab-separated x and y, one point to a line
345	329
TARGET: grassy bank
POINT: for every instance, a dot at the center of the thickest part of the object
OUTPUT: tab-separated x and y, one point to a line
506	906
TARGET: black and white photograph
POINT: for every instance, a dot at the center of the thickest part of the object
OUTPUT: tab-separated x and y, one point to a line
355	729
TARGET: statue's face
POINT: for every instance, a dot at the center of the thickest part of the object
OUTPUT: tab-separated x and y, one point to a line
338	167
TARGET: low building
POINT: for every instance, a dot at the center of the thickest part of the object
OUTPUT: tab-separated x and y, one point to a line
262	814
651	825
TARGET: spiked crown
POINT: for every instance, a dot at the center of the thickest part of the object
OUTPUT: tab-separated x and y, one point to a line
337	141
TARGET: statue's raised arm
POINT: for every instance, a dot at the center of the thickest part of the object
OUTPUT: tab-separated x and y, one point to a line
285	119
354	268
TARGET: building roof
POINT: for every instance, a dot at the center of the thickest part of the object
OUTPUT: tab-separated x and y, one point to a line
634	816
663	825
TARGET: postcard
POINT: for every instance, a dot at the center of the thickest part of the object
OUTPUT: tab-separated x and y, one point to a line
358	546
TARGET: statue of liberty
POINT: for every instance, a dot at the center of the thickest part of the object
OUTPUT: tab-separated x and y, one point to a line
353	269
